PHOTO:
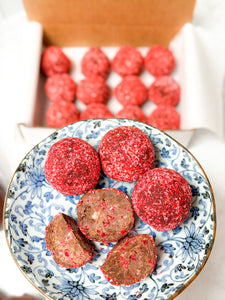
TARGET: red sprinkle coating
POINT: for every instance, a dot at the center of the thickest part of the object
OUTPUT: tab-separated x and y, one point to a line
105	215
96	110
159	61
164	117
72	166
95	62
165	90
128	61
54	61
70	249
162	198
131	90
93	90
131	260
62	113
132	112
125	153
60	87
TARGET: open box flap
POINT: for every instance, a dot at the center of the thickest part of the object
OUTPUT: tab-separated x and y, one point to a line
99	23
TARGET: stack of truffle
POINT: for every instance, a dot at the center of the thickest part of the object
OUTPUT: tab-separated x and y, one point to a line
94	92
161	197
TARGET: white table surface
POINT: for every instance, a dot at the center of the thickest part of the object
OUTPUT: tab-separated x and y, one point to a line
205	146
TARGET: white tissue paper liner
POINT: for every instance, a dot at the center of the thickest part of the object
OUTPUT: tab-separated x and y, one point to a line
199	72
203	66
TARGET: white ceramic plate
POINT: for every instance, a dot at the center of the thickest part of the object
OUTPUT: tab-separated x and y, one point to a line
31	204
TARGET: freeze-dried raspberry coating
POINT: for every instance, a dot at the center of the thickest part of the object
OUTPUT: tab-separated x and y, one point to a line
72	166
131	90
128	61
162	198
164	117
132	112
125	153
93	90
54	61
60	87
96	110
95	62
164	90
159	61
105	215
62	113
131	260
69	247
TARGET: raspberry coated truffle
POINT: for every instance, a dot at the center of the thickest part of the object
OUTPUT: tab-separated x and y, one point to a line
101	215
128	61
54	61
96	110
164	117
126	152
72	166
132	112
131	90
95	62
69	247
164	90
162	198
60	87
159	61
93	89
131	260
62	113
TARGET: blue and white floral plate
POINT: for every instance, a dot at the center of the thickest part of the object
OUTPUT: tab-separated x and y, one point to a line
31	204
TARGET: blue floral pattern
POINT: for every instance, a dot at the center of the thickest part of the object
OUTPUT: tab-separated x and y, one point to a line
32	203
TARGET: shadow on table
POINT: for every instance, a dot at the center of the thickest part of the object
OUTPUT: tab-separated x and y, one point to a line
24	297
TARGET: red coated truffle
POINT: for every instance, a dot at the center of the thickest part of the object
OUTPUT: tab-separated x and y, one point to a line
72	166
125	153
159	61
54	61
62	113
164	117
93	90
96	110
101	215
131	260
60	87
165	90
128	61
132	112
162	198
95	62
70	248
131	90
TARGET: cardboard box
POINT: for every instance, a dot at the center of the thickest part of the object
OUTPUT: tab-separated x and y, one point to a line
109	22
33	127
76	25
